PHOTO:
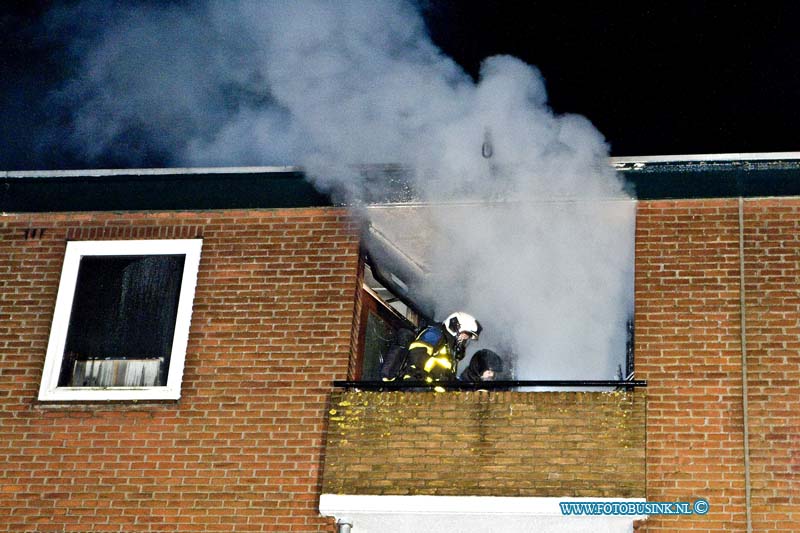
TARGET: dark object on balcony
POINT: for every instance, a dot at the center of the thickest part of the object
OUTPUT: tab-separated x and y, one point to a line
485	365
397	353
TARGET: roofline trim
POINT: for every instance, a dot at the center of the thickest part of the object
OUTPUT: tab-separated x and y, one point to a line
100	172
615	161
707	158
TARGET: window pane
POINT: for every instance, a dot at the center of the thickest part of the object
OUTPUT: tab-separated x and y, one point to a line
123	321
377	338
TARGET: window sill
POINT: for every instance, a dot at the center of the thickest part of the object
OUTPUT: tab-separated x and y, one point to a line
106	394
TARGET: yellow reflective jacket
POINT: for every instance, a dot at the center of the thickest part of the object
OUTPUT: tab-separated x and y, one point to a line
431	356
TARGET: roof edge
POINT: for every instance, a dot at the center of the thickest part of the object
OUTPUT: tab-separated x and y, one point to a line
100	172
707	158
616	161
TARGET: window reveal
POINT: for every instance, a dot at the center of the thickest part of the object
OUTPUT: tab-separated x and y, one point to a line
382	316
121	322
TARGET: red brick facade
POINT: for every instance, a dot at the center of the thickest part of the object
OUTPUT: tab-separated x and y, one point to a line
689	347
273	325
772	286
241	449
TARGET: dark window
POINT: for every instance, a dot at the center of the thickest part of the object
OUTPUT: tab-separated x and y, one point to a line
122	322
378	336
379	324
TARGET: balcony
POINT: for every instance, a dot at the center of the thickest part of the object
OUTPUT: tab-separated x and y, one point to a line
521	448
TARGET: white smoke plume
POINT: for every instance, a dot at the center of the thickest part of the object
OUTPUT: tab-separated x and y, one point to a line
536	241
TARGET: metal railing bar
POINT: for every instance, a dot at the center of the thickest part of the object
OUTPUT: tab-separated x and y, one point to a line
486	385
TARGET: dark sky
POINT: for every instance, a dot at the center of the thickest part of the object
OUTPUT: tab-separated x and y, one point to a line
671	78
668	78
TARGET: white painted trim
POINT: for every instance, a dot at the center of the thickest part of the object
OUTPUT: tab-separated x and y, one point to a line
49	389
743	156
100	172
707	158
348	504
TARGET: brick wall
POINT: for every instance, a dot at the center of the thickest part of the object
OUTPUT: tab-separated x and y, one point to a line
272	326
486	444
352	371
688	347
241	449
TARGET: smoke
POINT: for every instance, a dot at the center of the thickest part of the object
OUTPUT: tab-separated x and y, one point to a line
551	280
536	240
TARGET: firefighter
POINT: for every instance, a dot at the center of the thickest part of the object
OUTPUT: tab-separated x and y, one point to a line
485	365
434	354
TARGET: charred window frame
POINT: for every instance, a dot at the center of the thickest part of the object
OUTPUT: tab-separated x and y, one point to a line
121	321
379	322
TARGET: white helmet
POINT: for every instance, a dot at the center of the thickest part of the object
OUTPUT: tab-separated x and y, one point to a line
461	322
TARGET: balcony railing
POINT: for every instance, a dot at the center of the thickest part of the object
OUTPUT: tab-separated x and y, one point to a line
489	385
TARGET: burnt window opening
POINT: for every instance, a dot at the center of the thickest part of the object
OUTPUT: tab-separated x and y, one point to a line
387	319
122	321
535	315
384	318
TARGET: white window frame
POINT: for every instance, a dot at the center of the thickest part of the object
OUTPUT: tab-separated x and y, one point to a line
49	390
